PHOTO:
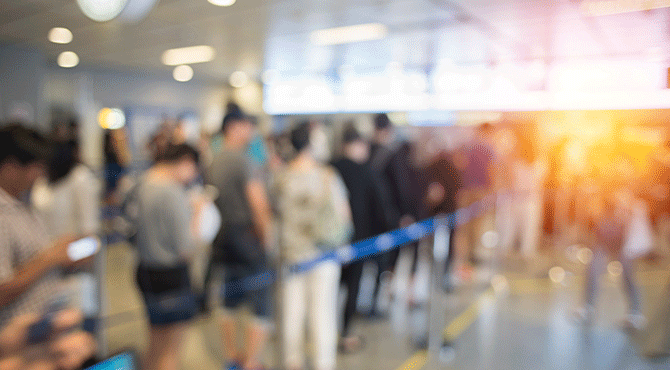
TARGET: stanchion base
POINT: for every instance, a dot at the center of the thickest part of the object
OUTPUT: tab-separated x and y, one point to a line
447	352
421	343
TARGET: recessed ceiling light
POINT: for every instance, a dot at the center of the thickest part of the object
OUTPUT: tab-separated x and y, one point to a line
102	10
222	2
188	55
348	34
60	35
182	73
68	59
238	79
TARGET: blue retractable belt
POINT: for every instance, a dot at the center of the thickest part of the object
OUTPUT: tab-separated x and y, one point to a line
365	248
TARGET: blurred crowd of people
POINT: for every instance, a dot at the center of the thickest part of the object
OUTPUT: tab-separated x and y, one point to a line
258	204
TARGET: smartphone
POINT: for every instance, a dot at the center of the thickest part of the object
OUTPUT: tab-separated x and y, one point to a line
41	331
83	248
122	361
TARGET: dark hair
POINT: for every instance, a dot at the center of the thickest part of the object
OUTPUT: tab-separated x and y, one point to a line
22	144
350	134
175	153
485	128
63	159
233	115
300	136
382	121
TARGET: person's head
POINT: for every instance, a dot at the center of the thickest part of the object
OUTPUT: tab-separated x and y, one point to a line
383	128
382	122
183	161
237	127
23	153
300	136
485	130
64	157
355	146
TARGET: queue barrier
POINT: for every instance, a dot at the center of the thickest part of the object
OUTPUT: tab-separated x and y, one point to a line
366	248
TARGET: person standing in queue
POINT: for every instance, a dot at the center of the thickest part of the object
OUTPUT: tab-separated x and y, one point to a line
442	183
367	209
30	266
166	224
475	163
29	261
242	243
314	218
68	200
397	181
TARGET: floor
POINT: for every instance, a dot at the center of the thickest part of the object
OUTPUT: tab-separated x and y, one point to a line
520	321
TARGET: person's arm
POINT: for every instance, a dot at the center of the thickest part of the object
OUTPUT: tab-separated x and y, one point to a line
339	198
380	223
260	210
405	195
17	281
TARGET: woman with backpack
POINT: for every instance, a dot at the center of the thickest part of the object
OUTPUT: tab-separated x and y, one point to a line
314	218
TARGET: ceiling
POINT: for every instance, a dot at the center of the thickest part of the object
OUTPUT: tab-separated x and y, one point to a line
254	35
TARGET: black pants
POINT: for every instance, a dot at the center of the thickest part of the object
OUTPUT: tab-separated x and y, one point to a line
351	279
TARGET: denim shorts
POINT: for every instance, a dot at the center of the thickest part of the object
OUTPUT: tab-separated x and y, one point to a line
247	285
167	294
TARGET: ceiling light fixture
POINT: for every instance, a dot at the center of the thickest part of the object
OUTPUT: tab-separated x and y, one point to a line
348	34
222	2
60	35
182	73
68	59
188	55
238	79
102	10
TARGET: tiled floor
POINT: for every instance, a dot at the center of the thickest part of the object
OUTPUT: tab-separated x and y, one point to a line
522	324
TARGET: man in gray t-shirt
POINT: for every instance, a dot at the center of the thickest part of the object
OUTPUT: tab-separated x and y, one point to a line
240	246
231	174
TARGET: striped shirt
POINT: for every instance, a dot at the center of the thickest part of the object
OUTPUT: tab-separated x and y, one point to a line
22	237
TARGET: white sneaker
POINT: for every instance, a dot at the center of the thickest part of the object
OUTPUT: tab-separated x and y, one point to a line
634	322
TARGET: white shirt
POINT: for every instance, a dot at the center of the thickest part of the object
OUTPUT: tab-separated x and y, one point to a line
71	205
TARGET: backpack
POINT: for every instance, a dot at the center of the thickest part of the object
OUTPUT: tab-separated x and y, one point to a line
126	222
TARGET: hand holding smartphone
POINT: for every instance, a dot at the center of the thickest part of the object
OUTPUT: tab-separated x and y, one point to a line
83	248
